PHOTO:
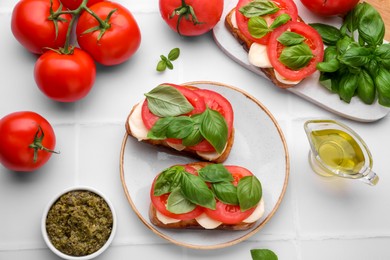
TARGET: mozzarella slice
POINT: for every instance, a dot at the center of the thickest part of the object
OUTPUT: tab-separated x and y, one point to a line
258	56
280	78
137	127
257	214
178	147
164	219
207	222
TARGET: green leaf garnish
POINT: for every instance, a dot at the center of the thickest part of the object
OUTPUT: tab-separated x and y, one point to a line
259	8
290	38
215	173
214	129
197	191
263	254
249	192
297	56
178	204
165	100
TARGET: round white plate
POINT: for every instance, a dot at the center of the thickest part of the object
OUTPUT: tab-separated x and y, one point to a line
309	89
259	145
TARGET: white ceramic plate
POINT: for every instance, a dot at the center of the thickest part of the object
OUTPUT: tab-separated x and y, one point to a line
259	146
310	88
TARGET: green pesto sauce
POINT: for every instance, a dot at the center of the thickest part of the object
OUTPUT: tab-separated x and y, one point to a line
79	223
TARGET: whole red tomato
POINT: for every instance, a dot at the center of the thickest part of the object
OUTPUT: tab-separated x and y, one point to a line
191	17
32	28
117	39
65	77
74	4
329	7
27	141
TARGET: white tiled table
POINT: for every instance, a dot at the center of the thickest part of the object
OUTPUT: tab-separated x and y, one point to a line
318	219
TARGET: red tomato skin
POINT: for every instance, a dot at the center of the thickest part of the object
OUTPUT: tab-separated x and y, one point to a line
330	7
314	41
17	131
118	43
30	17
65	78
74	4
208	12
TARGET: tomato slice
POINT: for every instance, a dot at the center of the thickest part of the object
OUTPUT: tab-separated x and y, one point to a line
285	7
313	40
160	202
196	101
215	101
231	214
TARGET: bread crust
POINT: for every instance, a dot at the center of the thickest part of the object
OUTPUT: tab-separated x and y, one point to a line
186	151
246	44
192	223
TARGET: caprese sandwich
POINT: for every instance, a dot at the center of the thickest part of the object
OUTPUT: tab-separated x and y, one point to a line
277	40
193	121
204	195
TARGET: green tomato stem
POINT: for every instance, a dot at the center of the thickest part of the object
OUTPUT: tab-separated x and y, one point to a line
37	144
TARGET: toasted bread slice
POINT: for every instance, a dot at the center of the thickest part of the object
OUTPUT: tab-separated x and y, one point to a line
192	223
215	158
246	44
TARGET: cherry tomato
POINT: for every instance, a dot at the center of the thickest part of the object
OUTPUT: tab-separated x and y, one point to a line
231	214
330	7
74	4
27	141
115	44
285	7
65	77
32	16
313	40
206	14
160	202
219	103
196	101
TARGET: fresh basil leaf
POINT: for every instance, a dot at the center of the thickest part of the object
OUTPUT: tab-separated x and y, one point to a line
215	173
249	192
383	86
290	38
330	53
197	191
263	254
329	66
366	87
345	43
382	54
351	21
297	56
214	129
279	21
326	80
195	136
356	56
174	54
168	180
180	127
226	192
347	86
371	26
258	27
329	34
258	8
372	68
178	204
161	65
159	129
165	100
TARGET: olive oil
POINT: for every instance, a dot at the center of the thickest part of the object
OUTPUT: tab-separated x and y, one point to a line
338	150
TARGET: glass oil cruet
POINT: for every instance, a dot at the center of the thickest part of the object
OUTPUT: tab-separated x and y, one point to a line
336	150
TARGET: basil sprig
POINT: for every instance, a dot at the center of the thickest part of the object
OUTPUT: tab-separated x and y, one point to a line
356	61
259	8
297	54
187	190
165	100
263	254
209	125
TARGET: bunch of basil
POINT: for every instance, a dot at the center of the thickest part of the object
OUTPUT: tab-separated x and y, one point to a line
357	67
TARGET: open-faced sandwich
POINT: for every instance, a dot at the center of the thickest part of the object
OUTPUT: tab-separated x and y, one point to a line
204	195
277	40
195	122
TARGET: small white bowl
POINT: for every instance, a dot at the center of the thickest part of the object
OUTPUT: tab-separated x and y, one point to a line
85	257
